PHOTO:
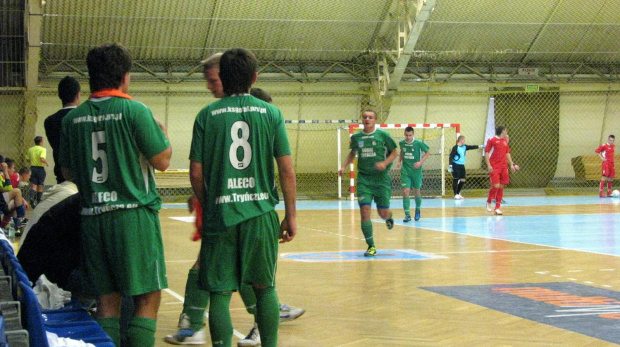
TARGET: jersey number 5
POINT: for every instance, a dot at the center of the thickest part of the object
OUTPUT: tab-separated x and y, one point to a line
240	133
98	138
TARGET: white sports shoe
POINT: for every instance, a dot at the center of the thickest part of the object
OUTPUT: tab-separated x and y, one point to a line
288	313
498	211
489	207
458	197
253	338
185	335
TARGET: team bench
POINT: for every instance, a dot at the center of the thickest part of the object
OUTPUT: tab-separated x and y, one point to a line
588	167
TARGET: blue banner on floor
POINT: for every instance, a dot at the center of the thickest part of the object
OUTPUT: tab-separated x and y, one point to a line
583	309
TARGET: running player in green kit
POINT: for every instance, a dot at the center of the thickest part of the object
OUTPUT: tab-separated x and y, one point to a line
234	143
376	150
410	165
109	146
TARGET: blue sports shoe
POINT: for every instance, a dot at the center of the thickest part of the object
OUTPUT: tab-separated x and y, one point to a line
417	214
185	335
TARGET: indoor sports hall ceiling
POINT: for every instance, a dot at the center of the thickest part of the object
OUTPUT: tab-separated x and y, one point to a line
486	40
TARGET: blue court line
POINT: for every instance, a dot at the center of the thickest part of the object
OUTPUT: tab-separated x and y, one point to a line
445	203
339	256
595	233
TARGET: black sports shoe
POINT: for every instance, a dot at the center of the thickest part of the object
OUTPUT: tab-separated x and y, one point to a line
389	223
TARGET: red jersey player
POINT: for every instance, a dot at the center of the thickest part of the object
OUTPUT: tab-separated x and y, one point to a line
497	164
606	153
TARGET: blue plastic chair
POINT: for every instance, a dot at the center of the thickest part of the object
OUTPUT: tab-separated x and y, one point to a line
31	316
2	332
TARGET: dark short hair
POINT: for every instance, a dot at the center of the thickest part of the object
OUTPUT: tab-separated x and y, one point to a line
107	64
409	129
612	136
9	161
237	69
261	94
24	170
68	89
499	130
38	140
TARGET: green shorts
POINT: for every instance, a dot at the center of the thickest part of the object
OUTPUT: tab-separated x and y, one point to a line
246	253
123	252
377	187
411	179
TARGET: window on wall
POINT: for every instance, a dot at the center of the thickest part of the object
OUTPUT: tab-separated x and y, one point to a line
12	43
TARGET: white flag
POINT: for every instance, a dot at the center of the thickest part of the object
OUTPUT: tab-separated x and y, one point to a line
490	129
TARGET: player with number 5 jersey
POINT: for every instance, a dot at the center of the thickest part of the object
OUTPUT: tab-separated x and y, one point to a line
109	146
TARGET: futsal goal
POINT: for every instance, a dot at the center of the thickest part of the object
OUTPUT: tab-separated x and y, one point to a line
439	137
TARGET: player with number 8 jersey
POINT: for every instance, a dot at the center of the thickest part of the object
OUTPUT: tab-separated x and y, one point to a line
232	171
238	171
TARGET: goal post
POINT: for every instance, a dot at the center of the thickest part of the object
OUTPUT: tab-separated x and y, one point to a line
439	137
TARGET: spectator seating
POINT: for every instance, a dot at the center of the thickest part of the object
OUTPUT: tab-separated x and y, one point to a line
24	323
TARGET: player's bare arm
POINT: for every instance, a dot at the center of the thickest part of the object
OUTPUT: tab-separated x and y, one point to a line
162	126
424	157
510	162
400	160
196	178
161	160
288	184
347	162
382	165
487	156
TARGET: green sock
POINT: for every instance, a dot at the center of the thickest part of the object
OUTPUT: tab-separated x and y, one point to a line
220	322
141	332
406	205
267	316
196	300
367	230
112	327
418	202
249	298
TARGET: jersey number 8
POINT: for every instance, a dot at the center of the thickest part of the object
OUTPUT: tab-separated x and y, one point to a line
240	133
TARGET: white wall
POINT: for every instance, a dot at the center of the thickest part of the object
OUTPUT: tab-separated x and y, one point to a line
586	117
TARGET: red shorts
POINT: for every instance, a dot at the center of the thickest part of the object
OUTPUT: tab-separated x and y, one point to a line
500	176
608	169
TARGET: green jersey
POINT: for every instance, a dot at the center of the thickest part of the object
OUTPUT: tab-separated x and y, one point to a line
412	153
106	142
371	149
236	140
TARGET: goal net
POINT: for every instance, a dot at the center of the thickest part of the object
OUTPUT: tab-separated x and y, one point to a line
439	137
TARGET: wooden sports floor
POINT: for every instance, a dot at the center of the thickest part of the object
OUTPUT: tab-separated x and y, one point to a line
546	273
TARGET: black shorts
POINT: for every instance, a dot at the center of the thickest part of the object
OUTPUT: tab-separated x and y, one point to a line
37	175
458	171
